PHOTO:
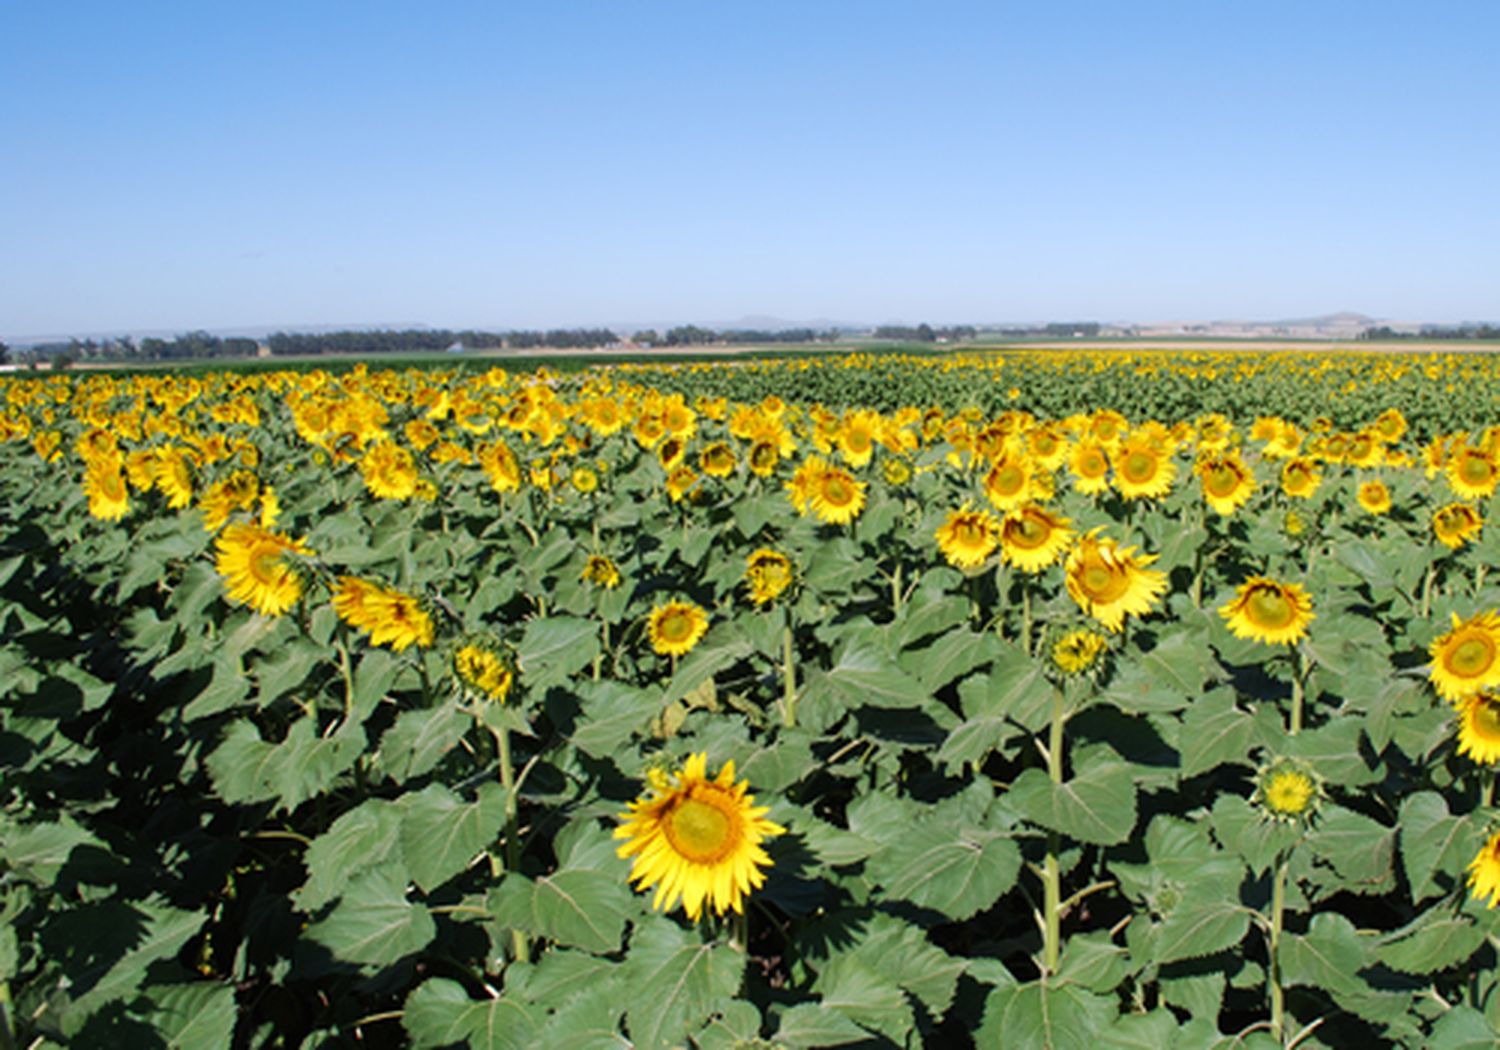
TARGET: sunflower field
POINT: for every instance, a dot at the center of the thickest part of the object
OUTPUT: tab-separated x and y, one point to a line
1000	700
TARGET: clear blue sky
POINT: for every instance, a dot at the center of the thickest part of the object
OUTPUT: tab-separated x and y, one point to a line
177	165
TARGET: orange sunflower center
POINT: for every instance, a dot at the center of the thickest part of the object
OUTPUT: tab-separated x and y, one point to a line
837	490
676	626
1008	480
1139	466
1471	657
1103	583
703	827
1475	469
265	563
1269	607
1091	464
1221	481
1028	533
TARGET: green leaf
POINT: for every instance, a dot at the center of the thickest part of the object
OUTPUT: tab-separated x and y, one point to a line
163	931
418	740
1328	956
1437	940
1433	843
952	656
441	834
554	648
1464	1028
1241	827
1215	731
440	1013
812	1024
575	908
1360	850
866	996
864	674
245	768
1153	1031
612	713
37	852
720	648
904	954
1094	962
373	923
359	839
1198	927
736	1026
676	981
189	1016
1045	1016
1332	750
956	870
1097	806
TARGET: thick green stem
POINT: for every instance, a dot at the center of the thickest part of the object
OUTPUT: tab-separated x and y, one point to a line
512	828
1299	677
1278	906
1478	578
603	648
1026	615
896	589
1051	873
788	676
739	932
7	1039
1427	589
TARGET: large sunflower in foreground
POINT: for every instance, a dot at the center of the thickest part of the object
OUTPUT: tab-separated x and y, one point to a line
1466	660
697	839
1473	473
1479	728
1484	871
675	628
253	562
1143	468
1110	582
968	537
1032	538
837	496
1270	612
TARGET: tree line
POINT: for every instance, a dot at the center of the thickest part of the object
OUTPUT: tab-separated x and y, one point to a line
925	333
1466	331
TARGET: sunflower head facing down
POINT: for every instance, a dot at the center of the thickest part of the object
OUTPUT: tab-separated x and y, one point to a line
601	571
674	628
968	537
697	839
1270	612
767	574
1110	582
1078	651
482	670
1466	660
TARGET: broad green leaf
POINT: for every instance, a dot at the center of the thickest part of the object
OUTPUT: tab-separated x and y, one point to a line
1215	732
866	996
864	674
1094	962
555	647
37	852
1433	843
953	869
575	908
612	713
904	954
1438	940
373	922
952	656
189	1016
1464	1028
1328	956
162	932
720	648
1156	1030
360	839
677	981
1241	827
1198	927
1045	1016
1333	751
439	1013
1359	850
1097	806
418	740
441	833
245	768
811	1024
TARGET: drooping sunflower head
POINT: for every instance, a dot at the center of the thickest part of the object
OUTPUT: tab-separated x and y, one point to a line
1484	871
681	482
1077	651
1286	790
696	839
482	669
968	537
257	571
398	619
1109	581
1466	660
1374	497
104	484
671	452
674	628
1032	538
601	571
767	574
1479	728
1268	611
1456	524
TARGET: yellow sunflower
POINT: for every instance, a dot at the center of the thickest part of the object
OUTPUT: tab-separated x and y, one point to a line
1300	477
1009	482
1076	651
1032	538
104	484
837	496
1287	791
601	571
674	628
389	470
255	568
1479	728
717	460
1374	497
767	573
1109	581
1484	871
680	482
484	671
764	455
895	471
1466	660
968	537
1090	466
697	839
1144	469
1472	473
1227	482
1456	524
1270	612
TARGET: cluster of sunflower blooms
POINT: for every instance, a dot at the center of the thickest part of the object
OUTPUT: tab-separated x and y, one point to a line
1465	671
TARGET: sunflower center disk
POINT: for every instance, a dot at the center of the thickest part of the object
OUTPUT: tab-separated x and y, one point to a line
1270	609
1474	470
676	627
1029	534
836	492
1487	718
1103	584
1139	466
701	829
1471	657
1222	481
265	564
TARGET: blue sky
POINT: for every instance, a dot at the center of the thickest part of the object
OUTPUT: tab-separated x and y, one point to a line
172	166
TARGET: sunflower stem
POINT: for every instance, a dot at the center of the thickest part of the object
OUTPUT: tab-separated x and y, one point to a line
1478	578
603	648
788	676
7	1040
1299	676
1051	874
1427	589
739	932
1278	907
896	589
1025	616
512	844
